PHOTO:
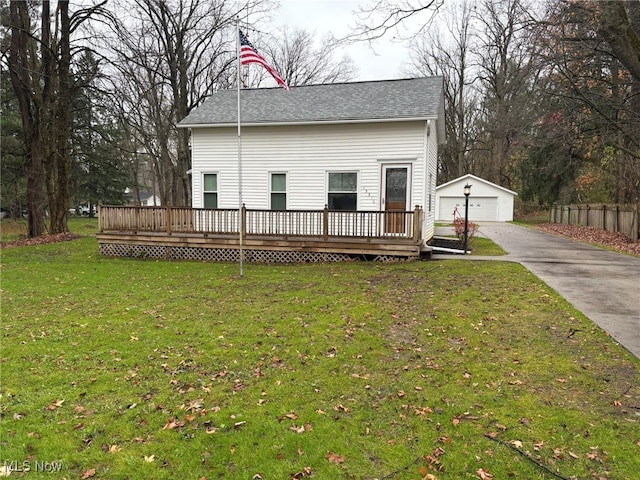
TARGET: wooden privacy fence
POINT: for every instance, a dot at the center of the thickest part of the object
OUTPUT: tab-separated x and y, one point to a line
613	218
282	223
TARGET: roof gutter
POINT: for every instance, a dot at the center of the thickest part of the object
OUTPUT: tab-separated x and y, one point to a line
306	122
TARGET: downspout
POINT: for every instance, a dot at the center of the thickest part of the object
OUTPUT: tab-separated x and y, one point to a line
426	211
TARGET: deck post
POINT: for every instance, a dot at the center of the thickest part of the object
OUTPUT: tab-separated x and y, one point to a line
168	218
417	223
325	223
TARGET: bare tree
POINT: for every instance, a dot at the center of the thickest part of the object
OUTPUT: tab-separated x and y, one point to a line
296	57
449	54
40	63
621	30
381	17
21	65
170	55
507	71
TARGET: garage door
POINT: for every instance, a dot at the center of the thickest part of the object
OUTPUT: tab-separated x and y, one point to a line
480	209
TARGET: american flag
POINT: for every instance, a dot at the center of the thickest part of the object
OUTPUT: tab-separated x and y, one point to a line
248	54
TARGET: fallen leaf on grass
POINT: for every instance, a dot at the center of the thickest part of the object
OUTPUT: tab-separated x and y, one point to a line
516	443
297	429
173	423
484	474
55	405
306	472
89	473
195	405
149	458
307	427
335	458
426	475
115	449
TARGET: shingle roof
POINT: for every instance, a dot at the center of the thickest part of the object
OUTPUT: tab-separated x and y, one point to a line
417	98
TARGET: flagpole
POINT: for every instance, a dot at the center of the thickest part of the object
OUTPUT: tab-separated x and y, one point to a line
240	224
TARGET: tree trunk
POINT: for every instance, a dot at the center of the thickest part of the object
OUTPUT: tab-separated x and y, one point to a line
19	68
59	164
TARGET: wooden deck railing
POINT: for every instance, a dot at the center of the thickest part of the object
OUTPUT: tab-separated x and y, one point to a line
285	223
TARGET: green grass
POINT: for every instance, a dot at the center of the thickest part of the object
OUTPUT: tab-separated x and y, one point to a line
477	244
136	369
11	229
484	246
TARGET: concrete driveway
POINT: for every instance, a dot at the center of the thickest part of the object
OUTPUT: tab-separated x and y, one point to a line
603	285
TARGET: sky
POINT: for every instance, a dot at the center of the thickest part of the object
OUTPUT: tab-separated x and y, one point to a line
382	61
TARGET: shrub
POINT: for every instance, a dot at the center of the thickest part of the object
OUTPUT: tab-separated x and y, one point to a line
458	225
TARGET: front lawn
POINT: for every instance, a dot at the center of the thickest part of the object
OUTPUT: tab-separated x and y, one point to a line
136	369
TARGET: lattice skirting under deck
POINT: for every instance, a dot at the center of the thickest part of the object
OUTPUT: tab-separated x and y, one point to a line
230	255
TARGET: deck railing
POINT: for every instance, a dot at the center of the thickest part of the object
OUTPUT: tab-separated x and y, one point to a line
283	223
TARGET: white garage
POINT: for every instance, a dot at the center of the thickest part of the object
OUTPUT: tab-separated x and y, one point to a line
488	202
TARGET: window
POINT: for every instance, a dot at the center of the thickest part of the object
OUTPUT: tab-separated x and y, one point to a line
210	190
342	193
278	191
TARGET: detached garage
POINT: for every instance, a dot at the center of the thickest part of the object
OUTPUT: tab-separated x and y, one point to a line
488	202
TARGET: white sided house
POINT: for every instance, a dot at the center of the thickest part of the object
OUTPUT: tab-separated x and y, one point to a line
363	146
487	202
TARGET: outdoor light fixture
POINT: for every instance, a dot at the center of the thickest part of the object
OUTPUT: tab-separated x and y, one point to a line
467	192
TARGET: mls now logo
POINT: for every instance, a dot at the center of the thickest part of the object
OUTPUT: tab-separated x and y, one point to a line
28	466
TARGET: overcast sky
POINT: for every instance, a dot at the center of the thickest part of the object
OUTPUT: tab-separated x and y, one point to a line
384	62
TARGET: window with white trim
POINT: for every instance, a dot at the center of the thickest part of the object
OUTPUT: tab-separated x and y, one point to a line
278	191
210	190
343	191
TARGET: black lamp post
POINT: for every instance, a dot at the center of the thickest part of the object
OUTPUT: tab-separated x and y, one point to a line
467	192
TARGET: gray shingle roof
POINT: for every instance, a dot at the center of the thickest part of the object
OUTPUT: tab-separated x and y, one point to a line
417	98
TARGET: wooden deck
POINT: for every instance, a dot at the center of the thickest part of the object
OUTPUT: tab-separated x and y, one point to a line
267	235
